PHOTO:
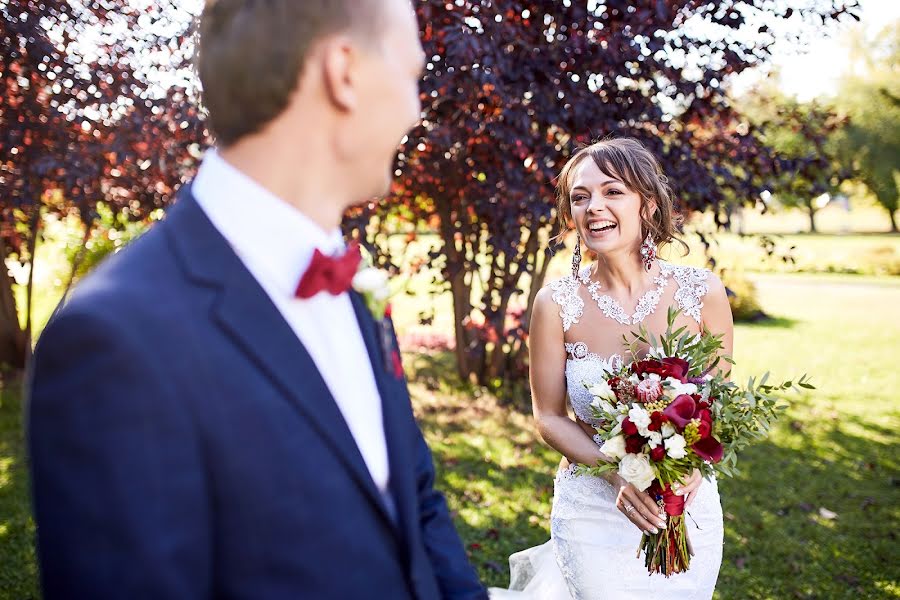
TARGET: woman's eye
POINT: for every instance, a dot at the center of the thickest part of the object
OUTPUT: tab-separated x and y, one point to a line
579	198
614	192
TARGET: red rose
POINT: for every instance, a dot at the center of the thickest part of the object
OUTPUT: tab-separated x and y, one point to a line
658	453
634	444
676	368
681	411
656	420
645	367
629	428
709	449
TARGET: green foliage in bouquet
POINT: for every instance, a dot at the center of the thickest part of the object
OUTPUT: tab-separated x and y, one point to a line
739	415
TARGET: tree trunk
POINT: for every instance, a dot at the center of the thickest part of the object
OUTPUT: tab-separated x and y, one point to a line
12	337
459	289
812	218
893	221
29	288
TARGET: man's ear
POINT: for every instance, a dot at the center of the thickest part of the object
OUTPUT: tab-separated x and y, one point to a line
338	60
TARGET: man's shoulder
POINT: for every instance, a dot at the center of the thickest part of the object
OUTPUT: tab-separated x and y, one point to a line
128	283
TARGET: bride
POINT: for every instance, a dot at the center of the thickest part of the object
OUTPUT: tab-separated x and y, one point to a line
615	195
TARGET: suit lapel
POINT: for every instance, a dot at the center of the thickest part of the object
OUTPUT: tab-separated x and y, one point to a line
394	414
247	315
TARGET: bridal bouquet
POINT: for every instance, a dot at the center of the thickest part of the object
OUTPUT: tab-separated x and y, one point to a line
672	412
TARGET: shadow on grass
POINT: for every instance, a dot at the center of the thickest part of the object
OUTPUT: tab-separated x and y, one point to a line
497	509
437	371
770	322
18	564
815	515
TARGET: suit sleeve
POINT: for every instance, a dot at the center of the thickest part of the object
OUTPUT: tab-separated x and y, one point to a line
456	577
119	489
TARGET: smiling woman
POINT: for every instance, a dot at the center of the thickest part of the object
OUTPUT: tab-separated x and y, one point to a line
624	176
616	197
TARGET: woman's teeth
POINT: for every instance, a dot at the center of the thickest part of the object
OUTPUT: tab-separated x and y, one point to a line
601	226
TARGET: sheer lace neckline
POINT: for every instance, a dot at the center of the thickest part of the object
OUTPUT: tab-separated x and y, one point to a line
646	304
692	287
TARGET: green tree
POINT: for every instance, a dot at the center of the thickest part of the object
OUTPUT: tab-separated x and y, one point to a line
870	94
804	140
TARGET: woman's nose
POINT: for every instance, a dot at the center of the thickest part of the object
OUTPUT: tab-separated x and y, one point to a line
596	203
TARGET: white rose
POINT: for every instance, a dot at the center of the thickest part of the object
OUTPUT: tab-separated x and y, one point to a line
641	418
654	439
636	470
675	447
601	390
667	430
370	280
679	388
614	447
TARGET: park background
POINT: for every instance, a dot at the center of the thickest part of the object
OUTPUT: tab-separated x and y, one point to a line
778	123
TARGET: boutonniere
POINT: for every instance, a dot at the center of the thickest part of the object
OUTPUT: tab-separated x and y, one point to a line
373	285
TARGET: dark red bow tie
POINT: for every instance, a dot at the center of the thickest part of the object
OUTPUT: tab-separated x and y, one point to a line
332	274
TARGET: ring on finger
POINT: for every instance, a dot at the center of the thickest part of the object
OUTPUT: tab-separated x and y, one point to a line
629	508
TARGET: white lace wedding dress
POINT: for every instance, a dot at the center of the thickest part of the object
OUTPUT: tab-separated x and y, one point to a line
592	551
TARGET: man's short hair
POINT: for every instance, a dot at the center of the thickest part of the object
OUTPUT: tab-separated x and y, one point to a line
251	53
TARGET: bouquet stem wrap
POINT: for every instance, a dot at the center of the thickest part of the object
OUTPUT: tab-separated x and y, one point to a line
669	551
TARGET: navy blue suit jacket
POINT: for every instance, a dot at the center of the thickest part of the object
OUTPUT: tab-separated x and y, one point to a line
184	445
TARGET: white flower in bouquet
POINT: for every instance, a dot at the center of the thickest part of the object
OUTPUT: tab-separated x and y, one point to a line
636	470
602	391
667	430
614	447
679	388
676	447
603	406
654	439
641	419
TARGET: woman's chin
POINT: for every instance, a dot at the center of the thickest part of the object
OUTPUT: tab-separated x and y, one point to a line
603	245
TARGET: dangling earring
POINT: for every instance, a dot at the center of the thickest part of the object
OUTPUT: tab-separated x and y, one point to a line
648	252
576	256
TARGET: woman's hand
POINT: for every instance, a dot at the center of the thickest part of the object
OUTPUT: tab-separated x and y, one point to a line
688	488
639	507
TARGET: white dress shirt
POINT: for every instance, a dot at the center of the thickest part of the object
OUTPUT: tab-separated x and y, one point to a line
275	241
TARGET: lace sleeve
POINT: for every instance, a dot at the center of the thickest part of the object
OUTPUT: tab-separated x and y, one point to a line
565	294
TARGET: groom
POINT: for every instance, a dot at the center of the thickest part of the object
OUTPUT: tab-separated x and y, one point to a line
215	412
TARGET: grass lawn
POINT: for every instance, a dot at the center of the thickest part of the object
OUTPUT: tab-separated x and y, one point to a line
18	568
814	514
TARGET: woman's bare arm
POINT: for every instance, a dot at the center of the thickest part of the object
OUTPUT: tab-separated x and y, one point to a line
547	359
